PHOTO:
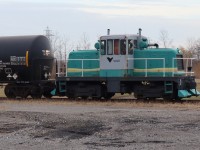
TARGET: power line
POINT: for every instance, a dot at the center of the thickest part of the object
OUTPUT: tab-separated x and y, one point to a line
48	33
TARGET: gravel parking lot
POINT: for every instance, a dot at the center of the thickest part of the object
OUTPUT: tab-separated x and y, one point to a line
72	125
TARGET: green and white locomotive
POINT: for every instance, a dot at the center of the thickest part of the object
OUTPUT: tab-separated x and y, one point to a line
127	64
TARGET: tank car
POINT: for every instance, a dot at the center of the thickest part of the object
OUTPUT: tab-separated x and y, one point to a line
127	64
26	65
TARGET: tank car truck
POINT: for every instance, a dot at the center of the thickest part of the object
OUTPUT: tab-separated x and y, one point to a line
25	66
127	64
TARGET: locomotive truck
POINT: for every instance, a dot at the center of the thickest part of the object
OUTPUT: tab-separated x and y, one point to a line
127	64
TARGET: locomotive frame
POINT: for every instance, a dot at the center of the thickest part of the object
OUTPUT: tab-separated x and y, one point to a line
142	87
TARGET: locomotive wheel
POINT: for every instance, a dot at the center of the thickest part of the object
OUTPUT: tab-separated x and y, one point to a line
47	95
24	96
9	92
71	96
109	95
36	96
47	90
168	98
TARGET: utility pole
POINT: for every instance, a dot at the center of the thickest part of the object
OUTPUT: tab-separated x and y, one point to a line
48	34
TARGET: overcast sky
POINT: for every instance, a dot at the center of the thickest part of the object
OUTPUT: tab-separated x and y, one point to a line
181	18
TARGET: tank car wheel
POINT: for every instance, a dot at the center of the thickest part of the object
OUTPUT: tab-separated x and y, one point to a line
36	92
36	96
8	91
24	96
24	92
84	97
138	96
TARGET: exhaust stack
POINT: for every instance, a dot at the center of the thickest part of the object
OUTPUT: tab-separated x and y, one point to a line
108	32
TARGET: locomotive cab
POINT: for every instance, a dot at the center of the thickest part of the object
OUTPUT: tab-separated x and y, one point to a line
115	50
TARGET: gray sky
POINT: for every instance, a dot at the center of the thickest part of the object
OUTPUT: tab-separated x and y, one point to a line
181	18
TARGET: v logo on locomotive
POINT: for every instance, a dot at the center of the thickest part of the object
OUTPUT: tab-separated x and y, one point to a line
110	59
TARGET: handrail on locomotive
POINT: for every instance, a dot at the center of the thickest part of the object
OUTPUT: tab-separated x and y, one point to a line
62	69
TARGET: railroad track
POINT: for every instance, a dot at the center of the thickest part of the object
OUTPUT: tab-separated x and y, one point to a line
106	100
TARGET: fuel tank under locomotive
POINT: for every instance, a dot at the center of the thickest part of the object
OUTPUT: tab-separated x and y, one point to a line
25	64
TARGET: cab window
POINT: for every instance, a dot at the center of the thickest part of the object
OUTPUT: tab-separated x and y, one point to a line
130	47
110	47
135	43
116	47
103	47
123	47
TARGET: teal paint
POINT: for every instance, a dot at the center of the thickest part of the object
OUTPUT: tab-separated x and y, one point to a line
195	92
83	67
183	94
53	92
157	66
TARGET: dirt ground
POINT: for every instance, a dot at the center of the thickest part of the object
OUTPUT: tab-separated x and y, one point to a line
78	126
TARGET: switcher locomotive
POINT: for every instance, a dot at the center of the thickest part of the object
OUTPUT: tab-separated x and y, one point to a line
127	64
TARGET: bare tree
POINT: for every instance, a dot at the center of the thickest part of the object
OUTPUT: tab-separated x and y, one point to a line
164	37
197	49
84	42
61	47
193	46
186	53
